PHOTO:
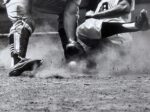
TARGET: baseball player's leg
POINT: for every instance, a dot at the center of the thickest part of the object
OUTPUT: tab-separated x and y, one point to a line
62	34
23	26
19	12
70	19
67	28
140	24
93	29
89	32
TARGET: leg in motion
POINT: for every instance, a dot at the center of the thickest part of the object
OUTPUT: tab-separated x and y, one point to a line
141	24
92	31
67	29
22	28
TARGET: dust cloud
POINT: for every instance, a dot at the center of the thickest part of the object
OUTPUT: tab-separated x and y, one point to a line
5	58
135	60
110	61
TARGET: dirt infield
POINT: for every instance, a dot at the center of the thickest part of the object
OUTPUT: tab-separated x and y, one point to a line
121	87
125	93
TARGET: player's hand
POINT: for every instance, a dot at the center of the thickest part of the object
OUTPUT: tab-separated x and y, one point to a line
89	14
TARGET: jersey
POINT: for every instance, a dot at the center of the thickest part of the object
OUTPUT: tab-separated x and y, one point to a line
108	4
91	28
119	39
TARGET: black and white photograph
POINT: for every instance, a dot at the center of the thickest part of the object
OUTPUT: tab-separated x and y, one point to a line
74	55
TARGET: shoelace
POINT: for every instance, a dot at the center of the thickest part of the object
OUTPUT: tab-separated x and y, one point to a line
22	59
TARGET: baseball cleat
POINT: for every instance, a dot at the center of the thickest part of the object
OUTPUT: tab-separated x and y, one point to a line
142	21
25	65
73	51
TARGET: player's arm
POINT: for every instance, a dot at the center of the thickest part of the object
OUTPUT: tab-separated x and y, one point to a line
123	7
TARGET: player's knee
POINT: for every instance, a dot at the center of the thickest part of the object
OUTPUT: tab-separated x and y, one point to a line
81	32
79	29
84	28
22	23
78	32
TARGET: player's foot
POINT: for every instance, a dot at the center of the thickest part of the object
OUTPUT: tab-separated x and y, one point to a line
142	22
24	65
73	51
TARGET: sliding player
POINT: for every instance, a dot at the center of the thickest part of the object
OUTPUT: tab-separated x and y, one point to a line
111	18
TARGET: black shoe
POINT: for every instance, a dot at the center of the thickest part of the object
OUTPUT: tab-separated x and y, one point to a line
142	22
25	65
74	50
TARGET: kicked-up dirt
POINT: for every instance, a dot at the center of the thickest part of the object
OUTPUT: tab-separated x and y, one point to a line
120	84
